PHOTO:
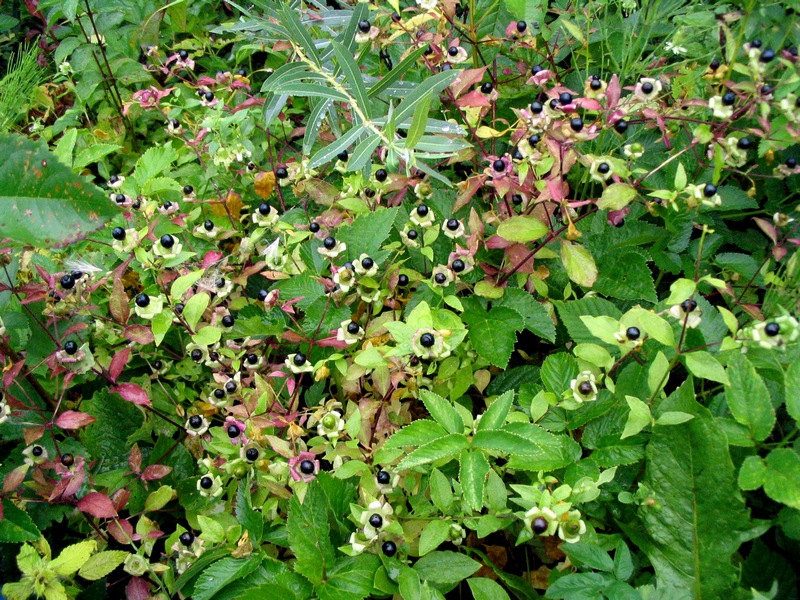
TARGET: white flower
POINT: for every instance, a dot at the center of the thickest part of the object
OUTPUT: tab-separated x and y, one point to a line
298	363
365	266
172	251
35	455
571	527
718	109
776	333
442	276
359	542
154	307
265	215
344	278
334	251
677	50
422	216
349	332
375	518
633	151
689	311
210	487
331	426
369	295
453	233
5	411
456	534
427	4
196	425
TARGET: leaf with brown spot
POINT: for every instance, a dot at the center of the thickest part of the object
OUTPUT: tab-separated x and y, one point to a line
265	184
118	304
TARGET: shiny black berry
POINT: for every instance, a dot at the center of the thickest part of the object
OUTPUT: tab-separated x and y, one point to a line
402	280
772	329
142	300
539	525
264	209
281	173
329	243
534	139
233	431
389	549
714	65
688	305
262	295
452	224
709	190
353	328
209	96
158	365
487	87
70	347
219	393
299	359
343	156
499	165
412	234
603	168
188	190
76	275
576	123
119	198
195	421
306	467
364	26
440	278
251	454
426	340
458	265
791	162
67	282
197	354
595	84
516	199
728	99
535	69
647	87
208	225
536	107
37	451
183	54
585	388
767	55
179	308
621	126
422	210
453	50
206	483
565	98
167	241
313	227
187	538
521	26
228	321
633	333
383	477
381	175
67	459
745	143
376	520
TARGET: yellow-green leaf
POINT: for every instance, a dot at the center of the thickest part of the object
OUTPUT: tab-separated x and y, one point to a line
522	229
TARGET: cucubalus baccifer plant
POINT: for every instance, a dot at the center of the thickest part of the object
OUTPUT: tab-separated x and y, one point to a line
412	300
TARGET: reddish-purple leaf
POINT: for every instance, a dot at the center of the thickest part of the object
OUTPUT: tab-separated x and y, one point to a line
135	459
139	334
138	589
122	531
72	419
132	393
154	472
98	505
14	479
118	363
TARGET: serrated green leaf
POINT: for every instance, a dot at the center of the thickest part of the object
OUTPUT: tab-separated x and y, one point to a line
433	535
92	154
483	588
16	526
223	573
448	446
309	534
493	342
73	558
616	196
590	555
791	389
579	263
445	567
782	479
748	398
441	491
472	475
624	274
639	417
158	499
101	564
368	232
752	473
536	318
558	371
521	229
251	520
417	433
702	364
497	412
44	202
442	411
350	578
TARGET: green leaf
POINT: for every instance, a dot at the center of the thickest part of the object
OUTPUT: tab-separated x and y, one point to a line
791	388
701	519
73	558
304	286
350	579
579	263
446	447
616	196
748	398
158	499
483	588
496	414
101	564
441	491
585	554
782	480
493	333
250	519
183	283
107	438
367	232
160	326
752	473
298	34
522	229
655	326
529	446
44	202
624	274
702	364
442	411
329	152
16	526
445	567
571	313
396	73
153	163
207	336
537	320
638	418
92	154
352	77
418	122
431	85
558	371
309	534
472	476
194	308
223	573
417	433
434	535
363	152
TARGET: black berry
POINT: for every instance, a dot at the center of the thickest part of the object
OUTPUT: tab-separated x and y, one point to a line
715	64
536	107
227	321
791	162
389	548
183	54
576	123
499	165
516	199
353	328
313	227
262	295
539	525
209	96
208	225
119	198
565	98
709	190
647	87
426	340
535	69
595	84
206	482
422	210
67	282
767	55
307	467
219	393
376	520
70	347
188	190
453	50
621	126
534	139
167	241
452	224
381	174
37	451
603	168
195	421
264	209
688	305
521	26
186	538
440	278
233	431
585	388
251	454
633	333
383	477
745	143
67	459
728	98
343	156
196	355
487	87
299	359
772	329
142	300
364	26
412	234
329	243
281	173
402	280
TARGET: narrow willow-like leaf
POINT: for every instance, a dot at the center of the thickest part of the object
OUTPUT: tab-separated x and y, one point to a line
290	72
327	153
313	89
313	125
432	85
298	33
396	73
353	78
363	152
274	107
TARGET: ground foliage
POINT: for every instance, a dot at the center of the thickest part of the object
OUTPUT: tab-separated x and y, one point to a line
406	299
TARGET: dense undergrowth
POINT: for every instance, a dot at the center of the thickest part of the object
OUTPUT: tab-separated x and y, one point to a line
403	299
